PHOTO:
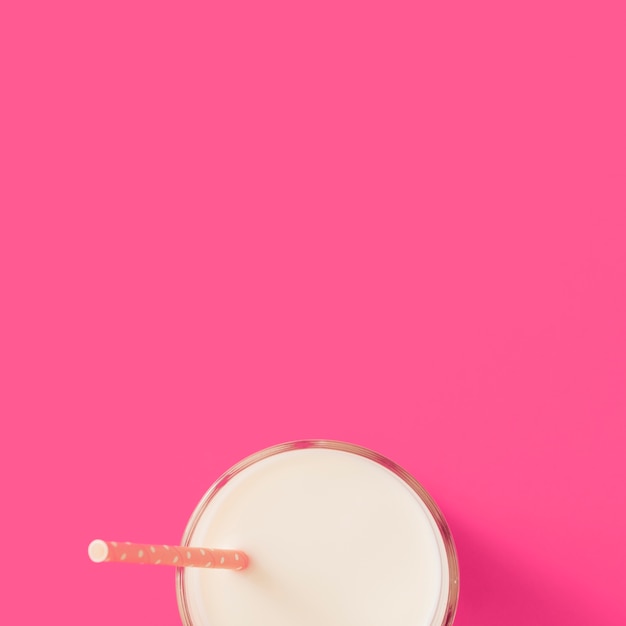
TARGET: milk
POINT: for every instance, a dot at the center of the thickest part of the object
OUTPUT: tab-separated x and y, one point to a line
334	539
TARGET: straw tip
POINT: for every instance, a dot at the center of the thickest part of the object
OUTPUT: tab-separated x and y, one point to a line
98	550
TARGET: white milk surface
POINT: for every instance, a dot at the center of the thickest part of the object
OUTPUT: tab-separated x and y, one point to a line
334	539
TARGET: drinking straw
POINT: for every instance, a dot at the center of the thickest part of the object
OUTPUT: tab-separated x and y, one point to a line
160	554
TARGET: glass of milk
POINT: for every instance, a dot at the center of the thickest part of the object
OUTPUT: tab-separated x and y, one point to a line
337	535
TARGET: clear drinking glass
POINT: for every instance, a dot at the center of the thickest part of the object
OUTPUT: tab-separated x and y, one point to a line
336	534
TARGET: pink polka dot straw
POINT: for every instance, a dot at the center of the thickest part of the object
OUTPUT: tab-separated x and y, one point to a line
159	554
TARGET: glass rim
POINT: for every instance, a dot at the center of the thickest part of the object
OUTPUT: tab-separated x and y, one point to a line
328	444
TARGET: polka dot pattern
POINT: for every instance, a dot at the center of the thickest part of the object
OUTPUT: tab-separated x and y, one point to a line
178	556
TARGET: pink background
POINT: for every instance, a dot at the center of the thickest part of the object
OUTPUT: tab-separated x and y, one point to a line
228	225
